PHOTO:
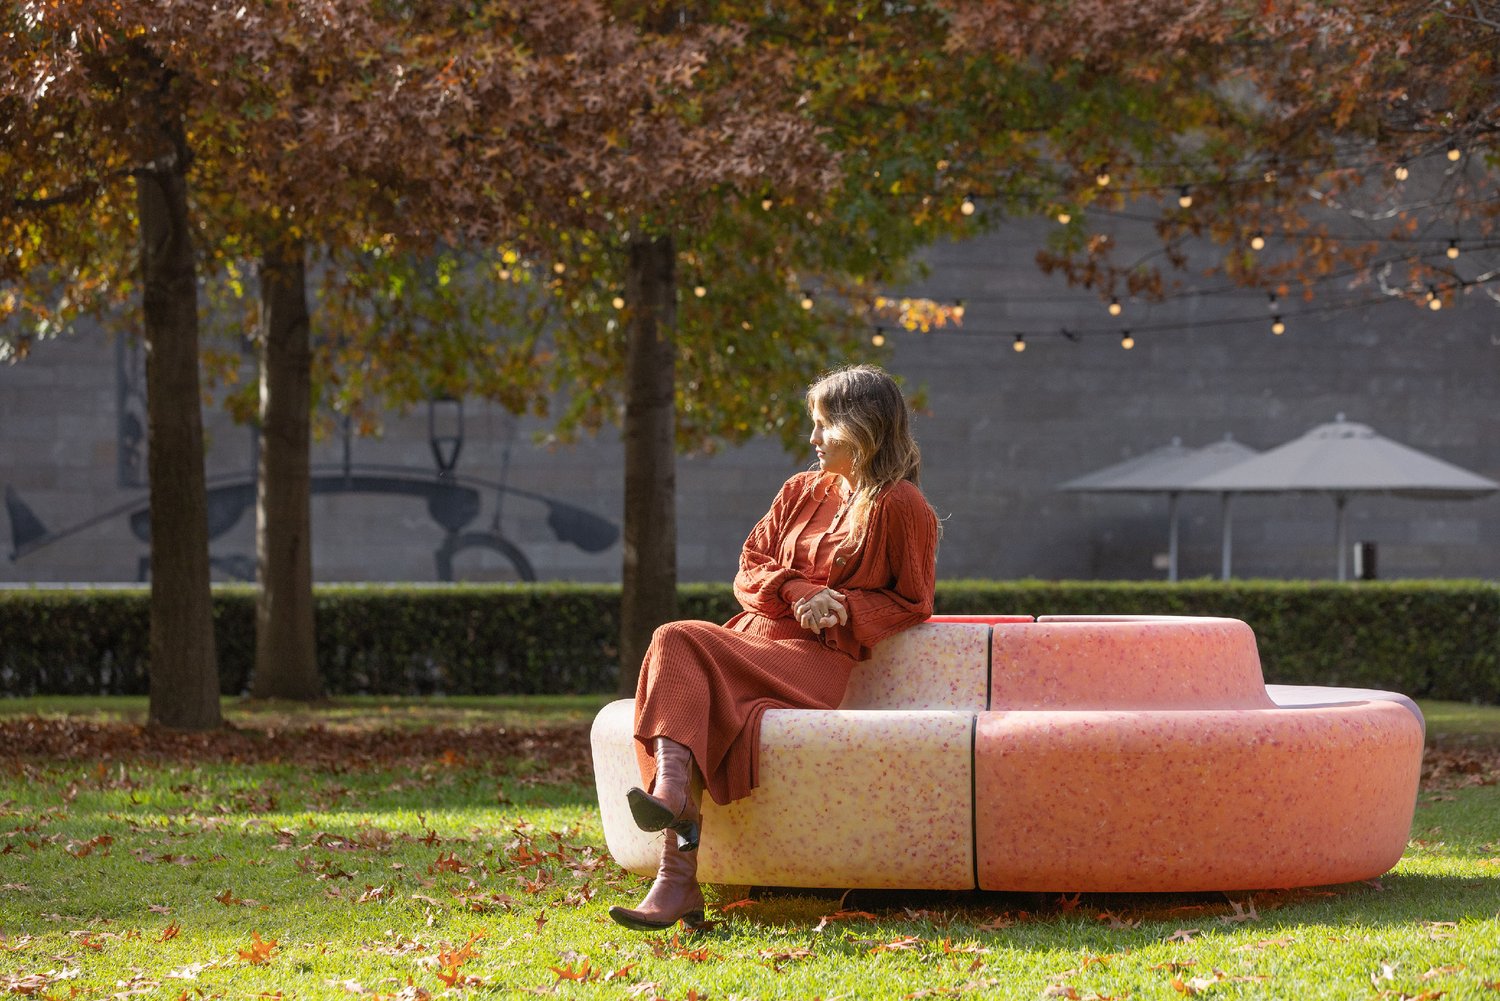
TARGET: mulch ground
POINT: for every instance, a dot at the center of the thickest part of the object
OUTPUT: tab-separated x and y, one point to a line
564	748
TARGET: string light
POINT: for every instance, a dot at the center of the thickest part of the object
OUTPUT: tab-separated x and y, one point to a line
1277	327
1102	178
1185	197
700	291
1258	241
1452	250
967	208
1454	153
807	300
504	274
766	203
1274	302
1126	341
1020	344
559	267
1115	309
879	339
1064	217
1434	301
618	302
1402	173
958	309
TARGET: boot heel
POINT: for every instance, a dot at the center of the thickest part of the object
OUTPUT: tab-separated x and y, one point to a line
687	836
693	921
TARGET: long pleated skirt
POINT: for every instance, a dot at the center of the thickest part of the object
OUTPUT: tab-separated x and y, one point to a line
707	686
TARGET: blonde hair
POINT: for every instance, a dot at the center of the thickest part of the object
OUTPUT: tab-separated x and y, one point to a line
864	406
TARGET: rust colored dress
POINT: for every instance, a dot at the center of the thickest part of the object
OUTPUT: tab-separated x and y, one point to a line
707	686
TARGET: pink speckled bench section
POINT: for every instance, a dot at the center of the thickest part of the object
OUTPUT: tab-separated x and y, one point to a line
1126	663
1222	799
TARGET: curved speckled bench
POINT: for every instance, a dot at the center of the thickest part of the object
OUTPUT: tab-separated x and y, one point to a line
1095	753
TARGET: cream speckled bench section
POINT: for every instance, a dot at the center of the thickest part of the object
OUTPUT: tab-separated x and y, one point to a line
847	775
1096	753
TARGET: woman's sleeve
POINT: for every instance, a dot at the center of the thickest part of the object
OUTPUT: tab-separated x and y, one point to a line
908	530
761	578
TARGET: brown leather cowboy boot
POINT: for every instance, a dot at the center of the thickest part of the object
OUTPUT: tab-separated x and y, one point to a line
675	896
674	805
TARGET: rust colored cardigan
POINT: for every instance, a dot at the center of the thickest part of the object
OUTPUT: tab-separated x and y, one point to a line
887	578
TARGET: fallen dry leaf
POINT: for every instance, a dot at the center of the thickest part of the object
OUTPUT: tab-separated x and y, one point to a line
259	951
1443	971
825	920
1245	912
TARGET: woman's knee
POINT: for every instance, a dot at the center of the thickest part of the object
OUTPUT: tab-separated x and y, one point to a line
682	631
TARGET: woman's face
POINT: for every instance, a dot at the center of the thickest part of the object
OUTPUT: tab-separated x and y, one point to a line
835	454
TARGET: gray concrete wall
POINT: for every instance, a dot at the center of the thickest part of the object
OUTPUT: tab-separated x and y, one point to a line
1000	432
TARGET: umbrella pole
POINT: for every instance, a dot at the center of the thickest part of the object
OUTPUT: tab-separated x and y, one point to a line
1172	536
1226	521
1339	500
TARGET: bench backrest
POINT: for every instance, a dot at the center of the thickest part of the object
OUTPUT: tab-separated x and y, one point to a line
1135	662
934	665
1064	662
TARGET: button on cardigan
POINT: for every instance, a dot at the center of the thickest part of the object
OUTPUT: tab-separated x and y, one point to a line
707	686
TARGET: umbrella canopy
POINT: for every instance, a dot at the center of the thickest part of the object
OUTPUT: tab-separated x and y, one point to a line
1183	473
1345	458
1116	478
1173	470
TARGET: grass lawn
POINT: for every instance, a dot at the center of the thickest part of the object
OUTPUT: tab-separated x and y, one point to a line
405	849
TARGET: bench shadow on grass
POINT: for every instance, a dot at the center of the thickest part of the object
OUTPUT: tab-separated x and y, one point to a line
1390	900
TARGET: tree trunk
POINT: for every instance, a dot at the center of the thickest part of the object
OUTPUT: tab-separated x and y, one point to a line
184	671
649	580
286	664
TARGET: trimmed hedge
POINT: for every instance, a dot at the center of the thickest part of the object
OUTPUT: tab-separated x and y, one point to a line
1430	639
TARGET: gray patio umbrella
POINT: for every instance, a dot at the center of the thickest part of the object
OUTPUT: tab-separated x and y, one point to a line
1173	470
1341	459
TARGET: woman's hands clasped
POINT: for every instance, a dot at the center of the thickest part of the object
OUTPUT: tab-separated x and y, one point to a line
820	611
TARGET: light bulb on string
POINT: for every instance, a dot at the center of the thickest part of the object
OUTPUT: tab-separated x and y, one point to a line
1277	327
1452	250
1064	217
559	267
958	309
1402	172
700	290
1258	241
1102	178
618	302
807	300
879	337
1454	153
1185	197
766	203
967	208
1274	303
1020	344
1434	301
1126	341
1115	309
